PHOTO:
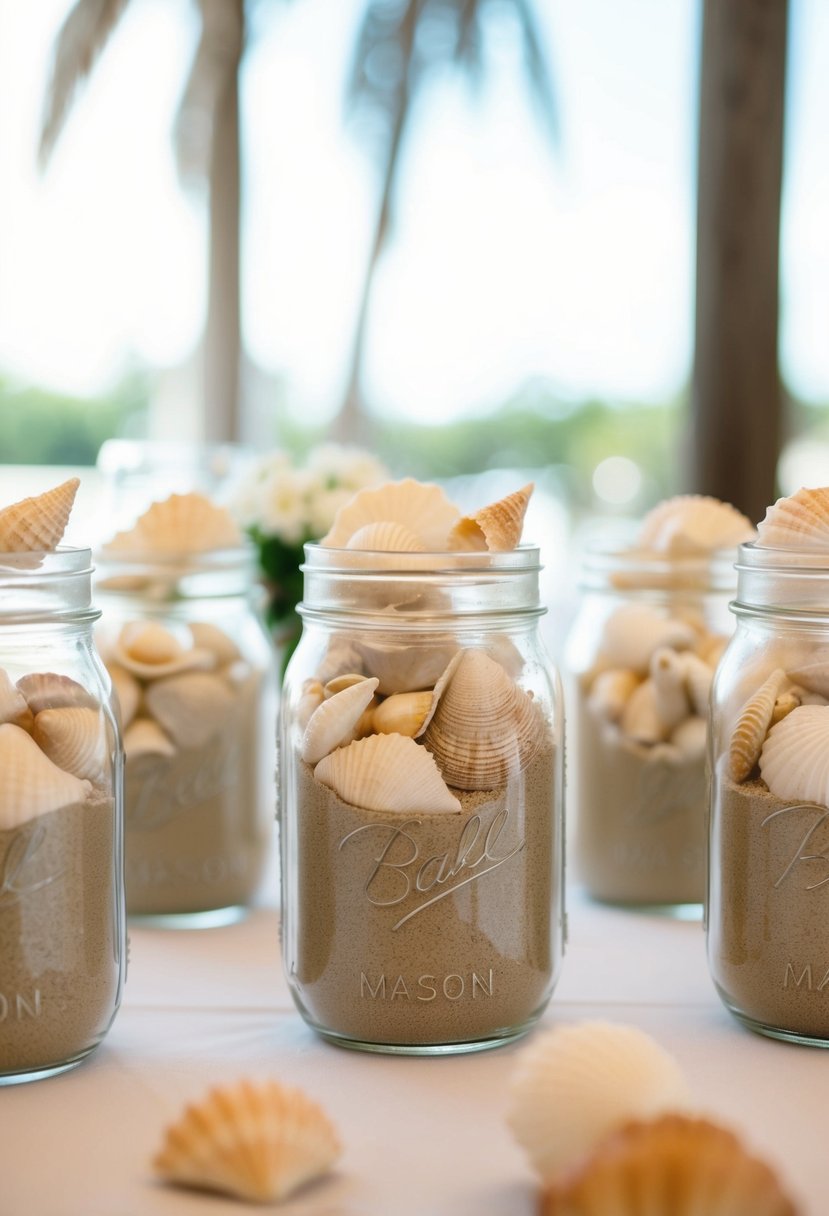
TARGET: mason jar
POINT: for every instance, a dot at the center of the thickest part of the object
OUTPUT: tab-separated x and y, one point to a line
768	900
193	671
62	934
421	801
640	659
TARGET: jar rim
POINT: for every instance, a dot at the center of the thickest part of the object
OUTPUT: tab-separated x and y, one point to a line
325	559
619	566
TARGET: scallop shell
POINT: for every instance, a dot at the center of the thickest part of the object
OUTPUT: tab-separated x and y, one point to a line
127	692
574	1085
182	523
387	773
192	708
385	536
48	690
423	507
150	651
694	523
259	1142
333	722
633	632
752	726
14	707
798	522
677	1165
144	737
485	728
812	676
207	636
74	739
37	524
497	527
610	692
32	785
670	698
697	677
794	762
404	713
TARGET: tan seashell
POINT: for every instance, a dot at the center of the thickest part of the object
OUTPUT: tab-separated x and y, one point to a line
401	667
610	692
752	726
419	505
192	708
495	528
312	695
347	680
794	762
149	651
798	522
814	677
698	677
676	1165
633	632
180	524
387	773
36	525
259	1142
14	707
75	739
385	536
785	703
640	719
691	737
143	737
333	722
127	692
670	698
32	785
207	636
485	729
403	713
694	523
576	1084
48	690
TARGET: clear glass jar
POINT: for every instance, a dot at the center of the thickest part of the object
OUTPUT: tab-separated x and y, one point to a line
768	899
420	917
62	926
640	659
194	672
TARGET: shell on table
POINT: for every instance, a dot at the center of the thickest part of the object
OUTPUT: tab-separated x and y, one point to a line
255	1141
576	1084
75	739
207	636
610	692
334	721
37	524
387	773
421	506
127	692
794	762
150	651
634	631
385	536
752	726
800	521
689	524
179	524
496	527
32	784
143	737
401	667
49	690
14	707
192	708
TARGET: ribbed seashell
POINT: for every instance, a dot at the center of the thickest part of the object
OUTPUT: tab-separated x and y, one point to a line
675	1165
74	739
798	522
496	527
37	524
143	737
698	677
14	707
814	677
794	762
693	523
32	785
207	636
127	692
610	692
785	703
403	667
182	523
258	1142
576	1084
752	726
192	708
403	713
151	652
640	718
385	536
387	773
334	721
48	690
670	698
690	737
421	506
633	632
312	695
485	728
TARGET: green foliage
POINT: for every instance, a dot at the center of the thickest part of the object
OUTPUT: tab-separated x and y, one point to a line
41	427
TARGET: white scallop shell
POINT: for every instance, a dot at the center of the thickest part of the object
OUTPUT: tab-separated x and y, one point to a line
387	773
423	507
32	785
182	523
694	523
334	721
207	636
150	651
259	1142
48	690
127	692
633	632
798	522
752	726
37	524
385	536
794	762
14	707
192	708
143	737
574	1085
497	527
75	739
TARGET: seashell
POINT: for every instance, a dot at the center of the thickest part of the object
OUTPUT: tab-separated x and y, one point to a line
633	632
341	656
74	738
127	692
497	527
693	523
752	726
675	1164
192	708
312	695
798	522
785	703
814	677
207	636
259	1142
611	691
346	680
576	1084
37	524
387	773
421	506
385	536
147	650
14	707
484	728
640	718
698	677
403	713
670	698
811	698
146	738
32	785
334	721
794	762
406	668
182	523
48	690
691	737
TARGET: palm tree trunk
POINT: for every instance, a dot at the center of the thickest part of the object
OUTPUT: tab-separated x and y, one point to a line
737	400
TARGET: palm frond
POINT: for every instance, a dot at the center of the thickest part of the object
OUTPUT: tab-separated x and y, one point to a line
215	62
384	61
539	70
80	41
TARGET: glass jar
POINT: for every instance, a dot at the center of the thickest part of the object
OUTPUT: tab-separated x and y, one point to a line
194	673
422	865
769	832
640	659
62	934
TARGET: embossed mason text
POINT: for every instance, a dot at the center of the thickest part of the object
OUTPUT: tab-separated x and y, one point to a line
426	987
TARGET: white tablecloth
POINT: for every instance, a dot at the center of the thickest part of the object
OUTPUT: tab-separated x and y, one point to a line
422	1136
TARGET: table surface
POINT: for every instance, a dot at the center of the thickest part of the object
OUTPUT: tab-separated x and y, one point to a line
421	1136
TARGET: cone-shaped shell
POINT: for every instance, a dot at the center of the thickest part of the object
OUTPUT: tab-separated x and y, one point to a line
574	1085
694	523
127	692
182	523
421	506
14	707
385	536
258	1142
334	721
143	737
37	524
798	522
497	527
675	1165
752	726
794	762
633	632
32	785
191	708
48	690
387	773
75	739
149	651
485	728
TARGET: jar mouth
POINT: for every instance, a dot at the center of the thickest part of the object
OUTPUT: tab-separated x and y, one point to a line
350	562
179	575
789	581
621	566
753	556
49	583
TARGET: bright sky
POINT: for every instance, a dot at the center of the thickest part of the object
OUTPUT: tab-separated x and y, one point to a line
508	262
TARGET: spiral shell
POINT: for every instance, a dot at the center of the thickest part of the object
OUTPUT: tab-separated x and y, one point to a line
37	524
387	773
798	522
794	762
32	785
752	726
495	528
